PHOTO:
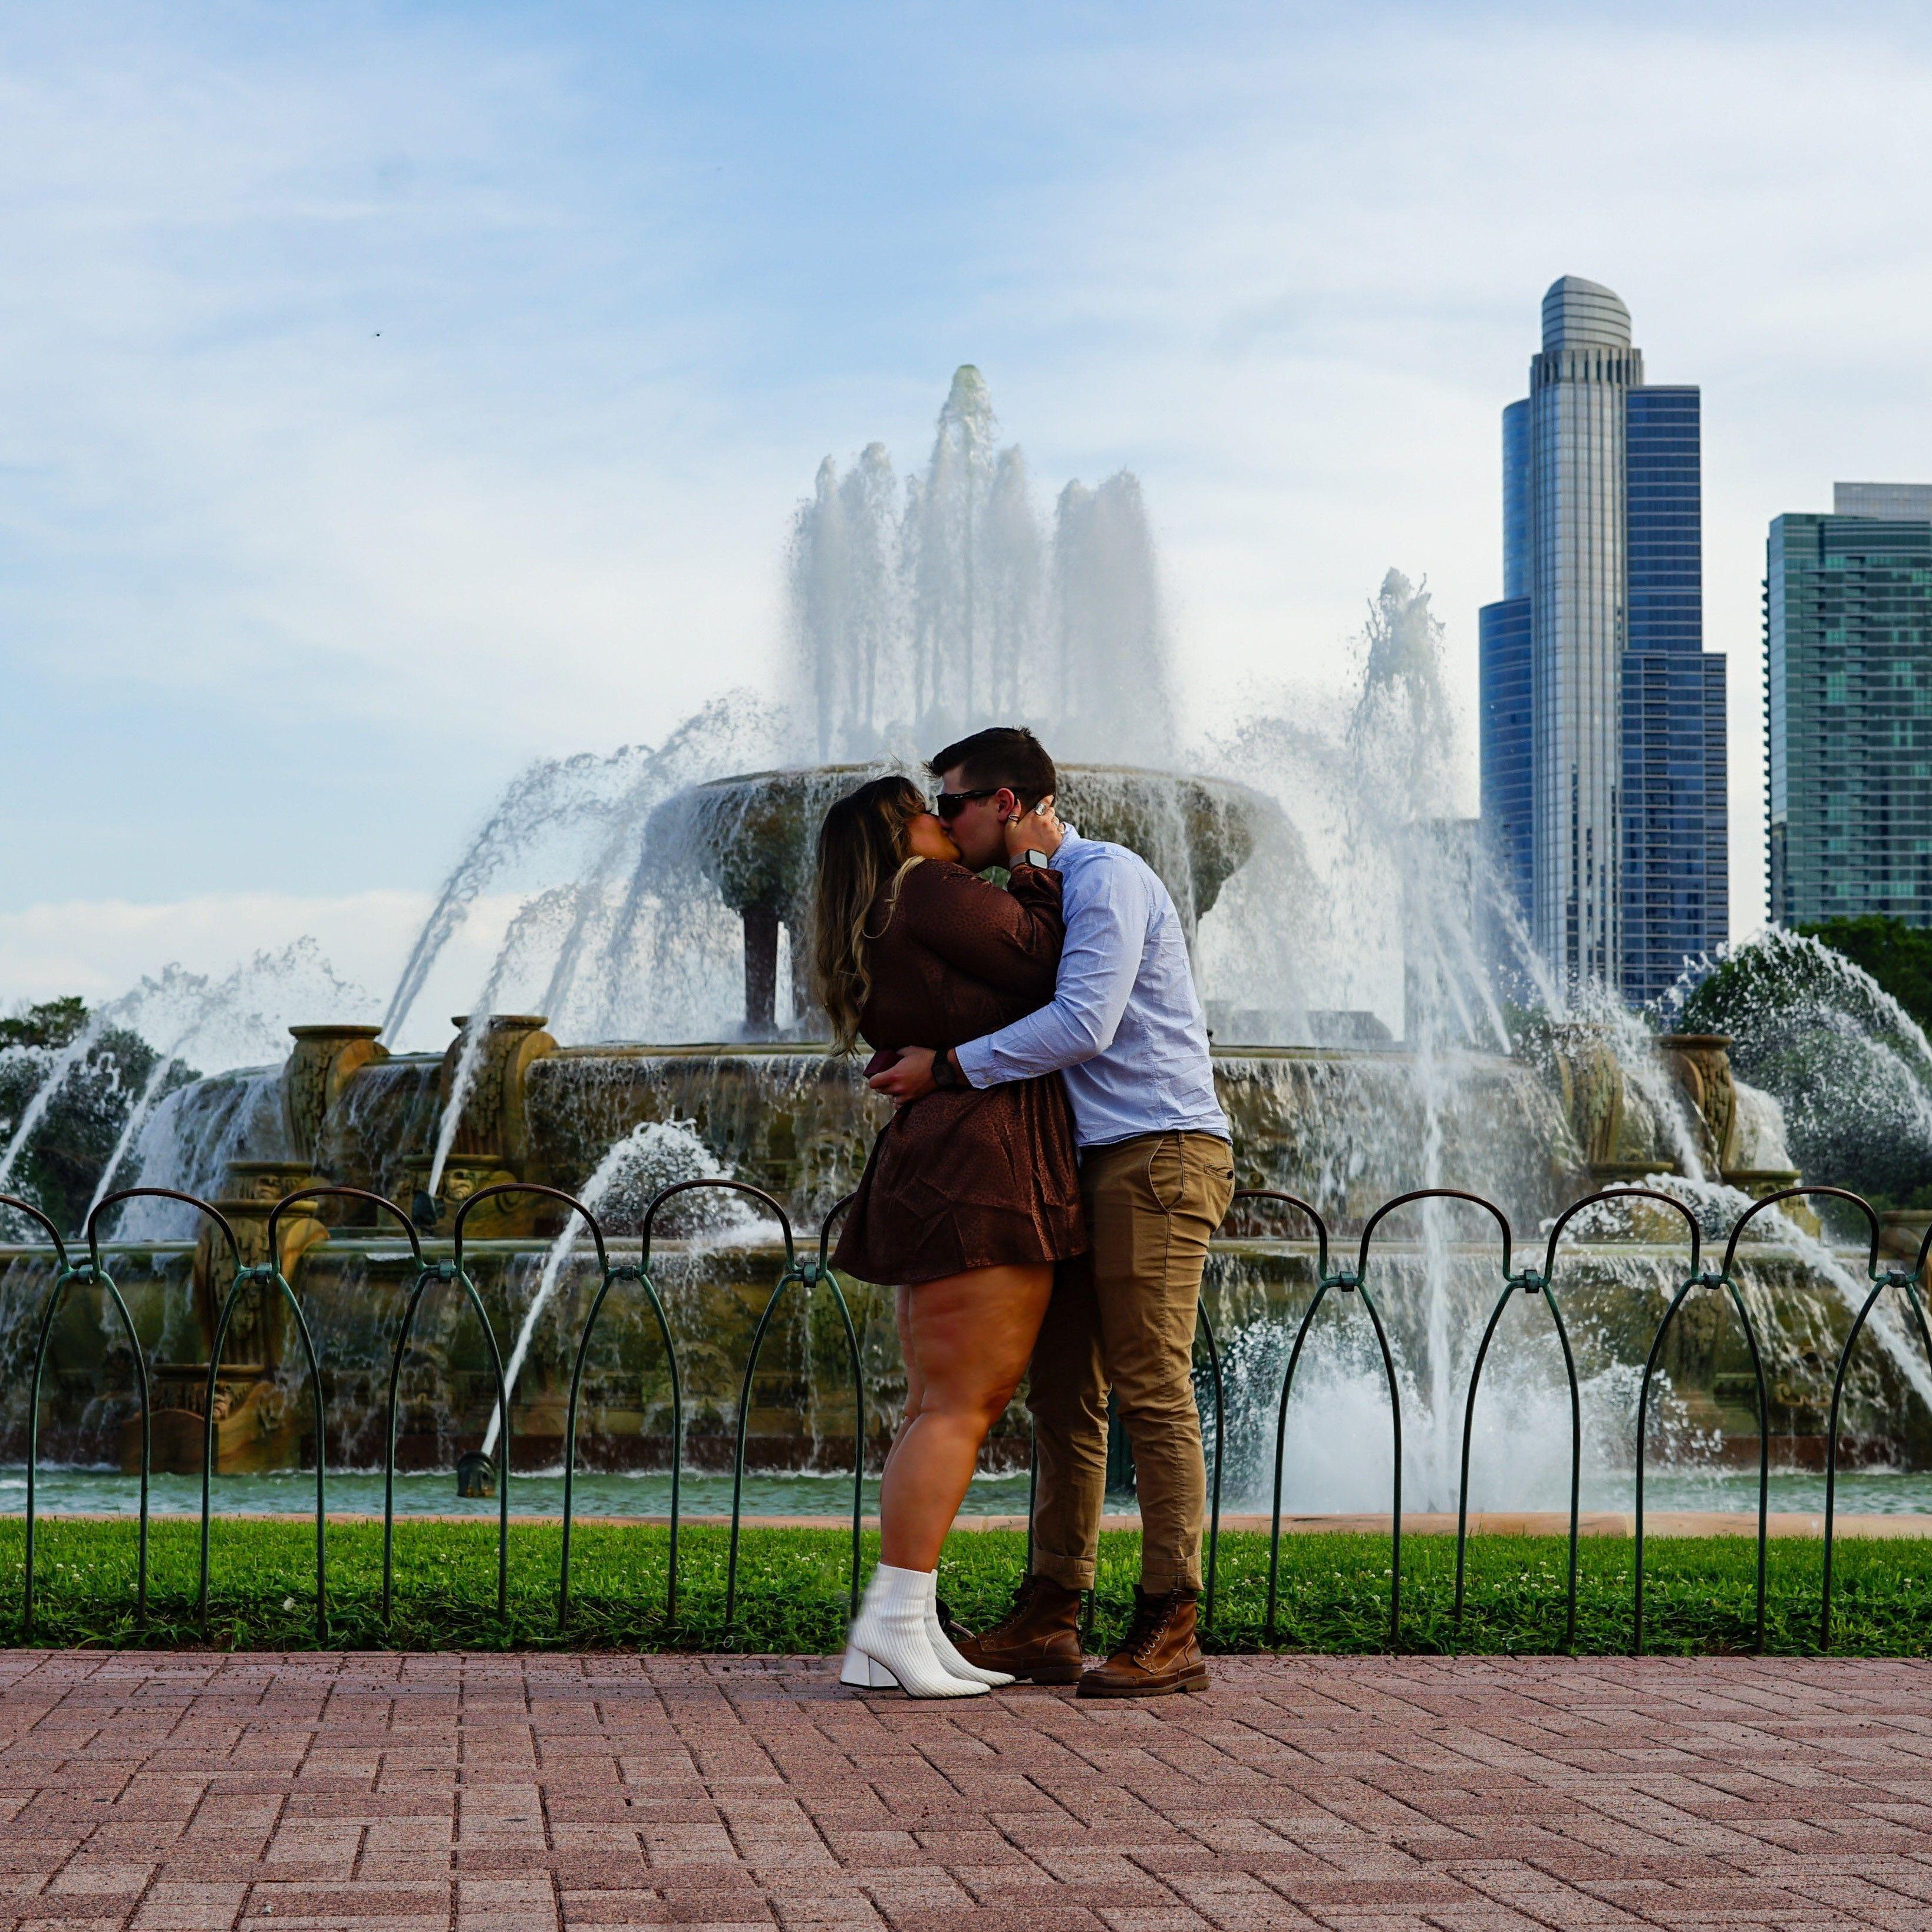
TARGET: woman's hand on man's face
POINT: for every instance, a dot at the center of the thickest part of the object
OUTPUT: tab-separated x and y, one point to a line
1039	828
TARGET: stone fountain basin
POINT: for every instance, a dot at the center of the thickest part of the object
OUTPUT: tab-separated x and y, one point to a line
753	835
1340	1128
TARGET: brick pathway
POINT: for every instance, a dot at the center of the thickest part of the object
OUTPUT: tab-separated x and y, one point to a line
525	1792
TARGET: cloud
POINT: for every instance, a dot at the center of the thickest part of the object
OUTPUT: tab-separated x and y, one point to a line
307	381
99	948
390	394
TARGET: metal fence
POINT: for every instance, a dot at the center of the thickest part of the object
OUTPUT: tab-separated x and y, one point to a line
1346	1281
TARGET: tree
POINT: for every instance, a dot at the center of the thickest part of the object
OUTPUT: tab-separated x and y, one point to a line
60	1168
52	1023
1898	956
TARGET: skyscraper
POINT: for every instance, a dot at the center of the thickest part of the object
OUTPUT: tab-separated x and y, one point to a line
1848	707
1602	715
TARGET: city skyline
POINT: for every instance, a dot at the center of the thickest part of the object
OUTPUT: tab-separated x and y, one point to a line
1603	728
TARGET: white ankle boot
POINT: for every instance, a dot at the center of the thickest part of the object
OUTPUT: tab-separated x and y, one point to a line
949	1659
888	1644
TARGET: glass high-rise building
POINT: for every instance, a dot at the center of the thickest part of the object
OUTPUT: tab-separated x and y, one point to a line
1848	707
1603	735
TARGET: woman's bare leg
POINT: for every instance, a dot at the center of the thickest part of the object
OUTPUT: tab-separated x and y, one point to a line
915	1381
971	1335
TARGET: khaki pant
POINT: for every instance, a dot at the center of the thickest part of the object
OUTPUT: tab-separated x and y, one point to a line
1123	1314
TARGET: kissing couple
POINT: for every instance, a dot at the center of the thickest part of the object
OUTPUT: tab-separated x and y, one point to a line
1041	1200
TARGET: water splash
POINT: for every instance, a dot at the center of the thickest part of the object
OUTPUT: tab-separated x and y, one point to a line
553	796
656	1155
531	933
921	614
59	1069
189	1140
1336	1451
1718	1208
1387	919
579	825
1396	907
166	1065
1851	1069
217	1022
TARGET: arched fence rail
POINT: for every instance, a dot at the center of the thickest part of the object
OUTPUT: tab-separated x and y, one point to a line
1286	1215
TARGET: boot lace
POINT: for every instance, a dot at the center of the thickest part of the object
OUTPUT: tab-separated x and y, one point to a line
1152	1615
1022	1602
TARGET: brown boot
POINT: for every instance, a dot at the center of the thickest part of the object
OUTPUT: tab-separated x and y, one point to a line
1038	1640
1158	1654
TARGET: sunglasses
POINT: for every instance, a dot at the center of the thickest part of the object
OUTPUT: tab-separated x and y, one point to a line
949	804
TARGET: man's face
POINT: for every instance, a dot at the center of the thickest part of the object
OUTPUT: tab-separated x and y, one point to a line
977	831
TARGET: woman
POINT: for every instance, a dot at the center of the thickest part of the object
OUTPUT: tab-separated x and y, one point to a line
970	1196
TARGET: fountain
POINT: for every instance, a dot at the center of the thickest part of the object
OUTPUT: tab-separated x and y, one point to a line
1346	1127
668	1033
751	838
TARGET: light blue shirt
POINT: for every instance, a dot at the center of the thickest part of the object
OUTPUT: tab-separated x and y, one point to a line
1125	1025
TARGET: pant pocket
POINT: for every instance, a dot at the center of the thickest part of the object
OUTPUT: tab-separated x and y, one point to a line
1167	1172
1218	1190
1202	1181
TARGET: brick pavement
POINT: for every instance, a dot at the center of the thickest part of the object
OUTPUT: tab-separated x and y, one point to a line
514	1793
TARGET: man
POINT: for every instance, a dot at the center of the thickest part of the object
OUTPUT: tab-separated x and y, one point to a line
1156	1170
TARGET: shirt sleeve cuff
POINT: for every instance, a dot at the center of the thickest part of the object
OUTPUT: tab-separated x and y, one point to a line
976	1062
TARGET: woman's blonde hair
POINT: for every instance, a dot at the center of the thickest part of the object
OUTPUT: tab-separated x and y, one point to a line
861	854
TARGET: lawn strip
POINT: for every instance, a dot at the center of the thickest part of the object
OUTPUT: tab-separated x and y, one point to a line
792	1589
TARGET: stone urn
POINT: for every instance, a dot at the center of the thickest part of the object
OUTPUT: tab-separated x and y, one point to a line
493	1121
1590	1084
1700	1063
325	1059
1901	1231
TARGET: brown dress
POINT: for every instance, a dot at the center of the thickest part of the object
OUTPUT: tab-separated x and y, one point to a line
981	1177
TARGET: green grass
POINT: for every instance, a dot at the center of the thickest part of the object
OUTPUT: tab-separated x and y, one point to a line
1334	1590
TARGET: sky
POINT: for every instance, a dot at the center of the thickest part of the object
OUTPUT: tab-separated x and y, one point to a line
392	394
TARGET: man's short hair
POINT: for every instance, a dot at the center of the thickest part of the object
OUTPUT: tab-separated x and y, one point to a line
1007	754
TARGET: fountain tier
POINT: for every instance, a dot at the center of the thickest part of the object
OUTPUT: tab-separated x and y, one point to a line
752	838
1345	1129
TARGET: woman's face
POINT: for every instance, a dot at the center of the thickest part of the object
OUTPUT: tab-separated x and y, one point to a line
929	839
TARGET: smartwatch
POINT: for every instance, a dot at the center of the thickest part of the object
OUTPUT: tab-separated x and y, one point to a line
946	1075
1033	856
